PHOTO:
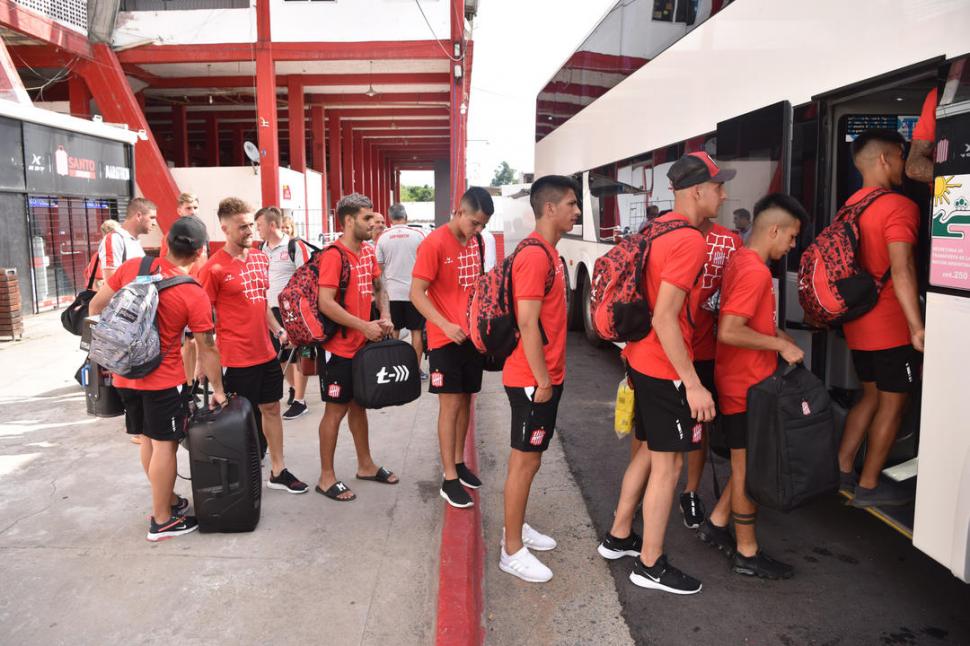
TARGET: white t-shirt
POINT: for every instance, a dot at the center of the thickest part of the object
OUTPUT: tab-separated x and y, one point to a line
281	267
397	249
116	248
490	253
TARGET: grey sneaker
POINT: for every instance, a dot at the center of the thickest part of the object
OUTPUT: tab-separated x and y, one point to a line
884	493
847	481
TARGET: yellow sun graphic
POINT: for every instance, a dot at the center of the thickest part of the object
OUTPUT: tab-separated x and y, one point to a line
941	189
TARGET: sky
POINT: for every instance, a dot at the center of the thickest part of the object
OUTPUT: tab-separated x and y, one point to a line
519	45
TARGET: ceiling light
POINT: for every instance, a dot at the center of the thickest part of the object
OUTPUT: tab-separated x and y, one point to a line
371	92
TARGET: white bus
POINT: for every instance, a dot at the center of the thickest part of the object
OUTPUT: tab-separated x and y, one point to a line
777	89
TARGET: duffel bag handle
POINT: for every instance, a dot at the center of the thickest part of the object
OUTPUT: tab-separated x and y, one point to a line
784	368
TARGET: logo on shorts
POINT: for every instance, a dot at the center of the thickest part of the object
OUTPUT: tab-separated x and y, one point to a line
909	373
805	408
698	430
333	390
437	379
680	430
537	436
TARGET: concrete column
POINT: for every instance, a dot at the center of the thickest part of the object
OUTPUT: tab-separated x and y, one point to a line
442	195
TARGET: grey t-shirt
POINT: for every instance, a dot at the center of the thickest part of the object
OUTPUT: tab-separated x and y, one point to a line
397	249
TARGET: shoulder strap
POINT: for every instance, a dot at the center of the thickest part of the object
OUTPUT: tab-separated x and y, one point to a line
145	268
532	242
344	280
172	281
481	249
94	271
291	249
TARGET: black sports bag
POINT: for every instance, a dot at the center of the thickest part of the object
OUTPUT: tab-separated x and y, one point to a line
792	442
386	374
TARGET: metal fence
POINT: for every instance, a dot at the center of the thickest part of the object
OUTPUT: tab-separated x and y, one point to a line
182	5
70	13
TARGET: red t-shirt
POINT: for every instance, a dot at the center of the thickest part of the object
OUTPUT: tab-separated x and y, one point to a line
721	245
364	270
675	258
746	291
925	129
179	307
451	271
237	288
891	218
529	272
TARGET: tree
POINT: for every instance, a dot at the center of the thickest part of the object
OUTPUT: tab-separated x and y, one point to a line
417	193
504	174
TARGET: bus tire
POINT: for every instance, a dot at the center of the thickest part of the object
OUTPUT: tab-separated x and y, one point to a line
584	304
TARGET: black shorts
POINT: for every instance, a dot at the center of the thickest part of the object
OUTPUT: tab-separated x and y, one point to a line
735	430
666	424
260	384
282	351
159	414
336	378
406	316
456	369
895	370
705	372
533	424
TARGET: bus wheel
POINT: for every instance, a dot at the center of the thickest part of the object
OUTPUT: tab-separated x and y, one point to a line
584	302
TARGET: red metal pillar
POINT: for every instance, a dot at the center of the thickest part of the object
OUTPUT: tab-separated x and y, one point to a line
336	163
397	185
266	116
238	135
80	97
212	140
106	80
456	140
296	122
358	162
347	141
180	135
318	149
370	172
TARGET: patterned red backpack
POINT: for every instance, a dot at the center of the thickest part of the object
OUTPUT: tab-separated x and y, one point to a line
832	285
302	319
491	310
618	303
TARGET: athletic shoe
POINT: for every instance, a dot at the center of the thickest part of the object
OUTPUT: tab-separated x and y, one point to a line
663	576
692	507
466	476
613	548
525	566
455	494
534	539
182	506
884	493
719	537
286	481
848	481
424	375
762	566
296	409
174	526
291	397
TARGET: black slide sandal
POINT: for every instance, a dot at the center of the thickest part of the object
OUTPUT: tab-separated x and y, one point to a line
335	491
383	476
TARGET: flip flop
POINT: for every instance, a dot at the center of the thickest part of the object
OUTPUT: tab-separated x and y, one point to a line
335	491
383	476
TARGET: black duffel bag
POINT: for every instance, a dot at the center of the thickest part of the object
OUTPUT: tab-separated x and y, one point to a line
72	318
792	443
386	374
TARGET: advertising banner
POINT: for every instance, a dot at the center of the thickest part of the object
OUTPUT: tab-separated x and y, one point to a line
66	163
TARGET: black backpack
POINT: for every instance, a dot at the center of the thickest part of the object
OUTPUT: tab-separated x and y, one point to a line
792	442
386	373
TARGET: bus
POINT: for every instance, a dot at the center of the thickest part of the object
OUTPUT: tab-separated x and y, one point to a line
777	90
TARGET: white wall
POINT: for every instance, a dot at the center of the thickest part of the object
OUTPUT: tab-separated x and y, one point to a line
419	211
357	20
314	205
195	27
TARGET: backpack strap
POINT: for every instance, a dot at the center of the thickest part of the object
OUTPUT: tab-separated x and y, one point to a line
291	249
344	281
855	212
94	271
550	279
145	268
172	281
481	249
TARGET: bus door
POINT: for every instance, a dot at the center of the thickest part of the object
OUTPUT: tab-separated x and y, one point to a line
942	516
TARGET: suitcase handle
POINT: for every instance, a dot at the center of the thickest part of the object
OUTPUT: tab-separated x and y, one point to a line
223	473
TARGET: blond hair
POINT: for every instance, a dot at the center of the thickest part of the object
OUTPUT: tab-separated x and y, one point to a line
186	198
109	226
289	225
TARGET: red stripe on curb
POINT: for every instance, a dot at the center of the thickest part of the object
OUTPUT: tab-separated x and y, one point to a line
461	599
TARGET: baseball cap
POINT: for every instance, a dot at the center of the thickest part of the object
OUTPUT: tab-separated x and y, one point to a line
696	168
188	231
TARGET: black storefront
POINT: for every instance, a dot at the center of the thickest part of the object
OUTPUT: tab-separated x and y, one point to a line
56	188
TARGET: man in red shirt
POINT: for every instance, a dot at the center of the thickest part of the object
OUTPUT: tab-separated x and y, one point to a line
351	310
749	343
155	405
887	341
534	373
236	278
671	399
919	163
447	266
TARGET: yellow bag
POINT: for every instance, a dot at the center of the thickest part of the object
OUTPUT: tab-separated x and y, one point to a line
623	416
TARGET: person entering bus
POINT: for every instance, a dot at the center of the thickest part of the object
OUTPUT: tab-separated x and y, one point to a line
749	344
919	162
887	341
672	401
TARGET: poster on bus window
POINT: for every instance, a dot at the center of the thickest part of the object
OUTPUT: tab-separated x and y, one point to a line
950	232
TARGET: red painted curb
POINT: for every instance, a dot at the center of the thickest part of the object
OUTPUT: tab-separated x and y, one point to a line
461	573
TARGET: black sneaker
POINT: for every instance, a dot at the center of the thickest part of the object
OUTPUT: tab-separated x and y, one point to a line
455	494
762	566
884	493
291	397
286	481
692	507
182	506
663	576
174	526
296	409
466	477
613	548
719	537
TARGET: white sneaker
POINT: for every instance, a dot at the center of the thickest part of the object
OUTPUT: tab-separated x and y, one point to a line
525	566
533	539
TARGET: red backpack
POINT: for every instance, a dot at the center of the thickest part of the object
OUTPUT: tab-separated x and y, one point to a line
833	288
491	308
620	310
303	321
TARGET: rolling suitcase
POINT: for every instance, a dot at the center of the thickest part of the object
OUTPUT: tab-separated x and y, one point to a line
386	374
225	465
101	397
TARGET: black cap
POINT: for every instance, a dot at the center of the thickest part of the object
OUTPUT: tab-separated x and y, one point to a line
188	232
696	168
